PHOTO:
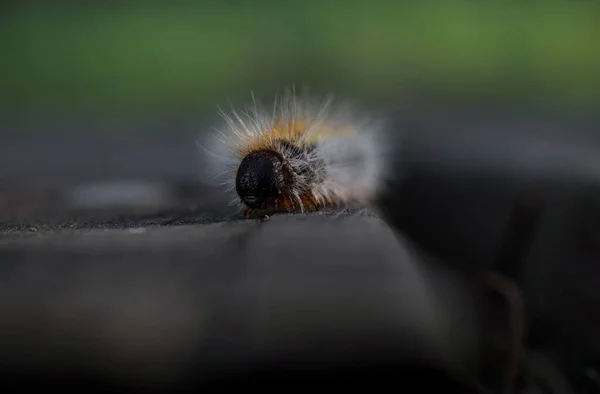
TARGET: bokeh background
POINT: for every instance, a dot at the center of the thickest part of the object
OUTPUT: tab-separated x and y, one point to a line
177	56
95	91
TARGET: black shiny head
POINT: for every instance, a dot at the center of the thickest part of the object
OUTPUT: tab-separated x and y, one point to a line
257	179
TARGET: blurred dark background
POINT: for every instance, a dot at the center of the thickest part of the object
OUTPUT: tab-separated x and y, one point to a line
183	57
112	90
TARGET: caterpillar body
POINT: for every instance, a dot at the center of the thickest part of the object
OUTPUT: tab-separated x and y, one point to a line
306	154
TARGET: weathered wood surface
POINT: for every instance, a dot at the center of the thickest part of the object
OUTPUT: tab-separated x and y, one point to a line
227	295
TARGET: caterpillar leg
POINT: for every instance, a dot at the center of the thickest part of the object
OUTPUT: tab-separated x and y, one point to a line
249	213
305	203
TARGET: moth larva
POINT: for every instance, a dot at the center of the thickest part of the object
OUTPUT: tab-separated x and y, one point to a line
305	154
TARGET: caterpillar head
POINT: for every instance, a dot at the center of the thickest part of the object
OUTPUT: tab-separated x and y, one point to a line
260	178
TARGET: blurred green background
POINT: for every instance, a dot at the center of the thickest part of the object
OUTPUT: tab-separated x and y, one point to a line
183	56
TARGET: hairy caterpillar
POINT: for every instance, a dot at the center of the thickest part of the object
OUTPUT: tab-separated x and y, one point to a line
304	154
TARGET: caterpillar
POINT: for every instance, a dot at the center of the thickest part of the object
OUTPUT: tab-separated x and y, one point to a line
304	154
